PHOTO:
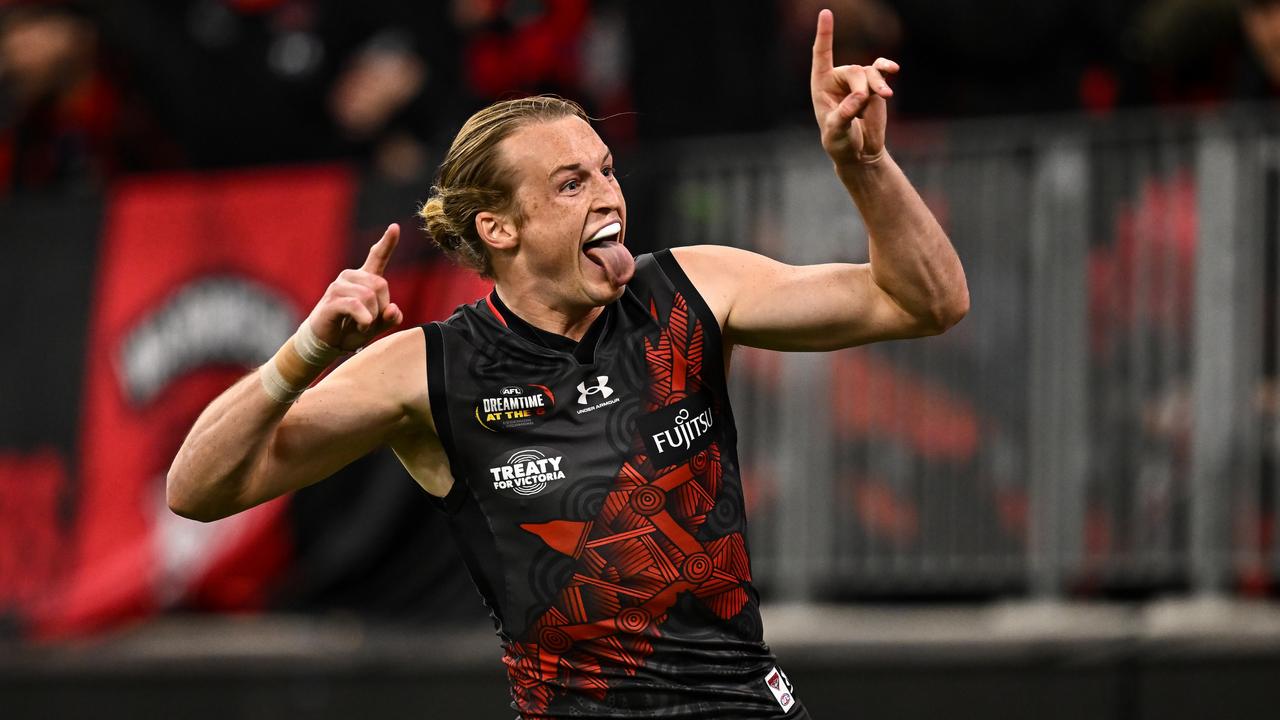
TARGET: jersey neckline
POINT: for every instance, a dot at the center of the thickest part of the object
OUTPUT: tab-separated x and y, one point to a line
583	352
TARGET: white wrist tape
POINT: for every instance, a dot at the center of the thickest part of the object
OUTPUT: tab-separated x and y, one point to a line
312	349
277	387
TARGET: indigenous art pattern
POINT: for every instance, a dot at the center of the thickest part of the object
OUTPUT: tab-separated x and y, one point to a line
637	555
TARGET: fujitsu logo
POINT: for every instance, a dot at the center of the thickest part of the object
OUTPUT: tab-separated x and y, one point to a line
601	386
688	428
679	431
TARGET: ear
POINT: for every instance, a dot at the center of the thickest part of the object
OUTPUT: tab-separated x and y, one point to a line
497	231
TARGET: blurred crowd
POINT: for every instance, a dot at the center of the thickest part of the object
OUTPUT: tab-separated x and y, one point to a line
90	89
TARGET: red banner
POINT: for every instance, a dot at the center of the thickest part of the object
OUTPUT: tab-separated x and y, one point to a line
200	278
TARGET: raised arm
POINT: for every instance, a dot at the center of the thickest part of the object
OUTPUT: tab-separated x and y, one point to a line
253	443
913	285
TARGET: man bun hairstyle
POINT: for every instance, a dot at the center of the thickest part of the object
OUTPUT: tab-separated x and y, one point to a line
472	179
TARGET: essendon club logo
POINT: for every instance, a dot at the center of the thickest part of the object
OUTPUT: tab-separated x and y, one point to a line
780	686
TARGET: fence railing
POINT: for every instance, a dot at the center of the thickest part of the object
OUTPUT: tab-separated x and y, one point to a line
1106	417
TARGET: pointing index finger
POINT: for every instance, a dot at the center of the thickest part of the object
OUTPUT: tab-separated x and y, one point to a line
822	58
380	253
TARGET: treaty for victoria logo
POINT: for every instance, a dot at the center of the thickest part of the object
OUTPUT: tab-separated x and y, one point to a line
528	471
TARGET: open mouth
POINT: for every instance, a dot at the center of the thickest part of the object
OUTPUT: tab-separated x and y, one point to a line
605	250
607	234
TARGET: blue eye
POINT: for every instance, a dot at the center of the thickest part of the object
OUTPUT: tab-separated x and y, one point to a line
571	185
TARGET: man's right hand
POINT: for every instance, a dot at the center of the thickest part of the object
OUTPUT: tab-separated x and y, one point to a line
357	306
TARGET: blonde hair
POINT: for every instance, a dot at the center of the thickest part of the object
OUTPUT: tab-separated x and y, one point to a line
472	178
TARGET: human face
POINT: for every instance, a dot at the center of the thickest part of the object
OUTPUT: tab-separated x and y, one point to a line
1262	25
566	193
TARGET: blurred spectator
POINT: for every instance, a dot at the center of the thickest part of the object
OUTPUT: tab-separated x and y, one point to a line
1189	50
376	99
521	47
1261	22
270	81
1202	52
64	120
573	48
1206	51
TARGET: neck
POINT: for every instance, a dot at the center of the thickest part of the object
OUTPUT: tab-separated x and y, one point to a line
570	322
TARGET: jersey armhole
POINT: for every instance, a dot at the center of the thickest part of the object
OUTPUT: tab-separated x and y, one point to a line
675	274
438	397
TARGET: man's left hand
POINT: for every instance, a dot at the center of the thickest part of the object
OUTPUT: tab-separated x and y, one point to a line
848	101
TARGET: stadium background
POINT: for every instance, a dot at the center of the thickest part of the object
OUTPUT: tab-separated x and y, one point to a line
1065	507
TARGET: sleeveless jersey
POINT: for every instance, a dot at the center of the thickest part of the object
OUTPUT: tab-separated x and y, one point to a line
600	512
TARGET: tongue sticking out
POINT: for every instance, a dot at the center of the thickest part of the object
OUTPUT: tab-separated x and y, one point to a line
614	258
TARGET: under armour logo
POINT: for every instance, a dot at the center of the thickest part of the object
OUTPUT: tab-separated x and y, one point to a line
601	386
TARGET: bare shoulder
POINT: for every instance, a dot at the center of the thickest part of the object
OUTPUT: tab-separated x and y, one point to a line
720	273
391	371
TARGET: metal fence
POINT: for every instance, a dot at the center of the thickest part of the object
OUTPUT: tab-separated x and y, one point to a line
1105	418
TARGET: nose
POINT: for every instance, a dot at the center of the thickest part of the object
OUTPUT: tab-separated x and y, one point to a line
608	194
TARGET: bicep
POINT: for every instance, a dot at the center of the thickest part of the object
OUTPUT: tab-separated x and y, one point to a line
768	304
360	406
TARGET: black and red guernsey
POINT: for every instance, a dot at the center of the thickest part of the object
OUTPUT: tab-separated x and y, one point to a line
598	505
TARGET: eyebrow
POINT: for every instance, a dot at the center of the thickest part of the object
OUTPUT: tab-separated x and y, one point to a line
578	166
